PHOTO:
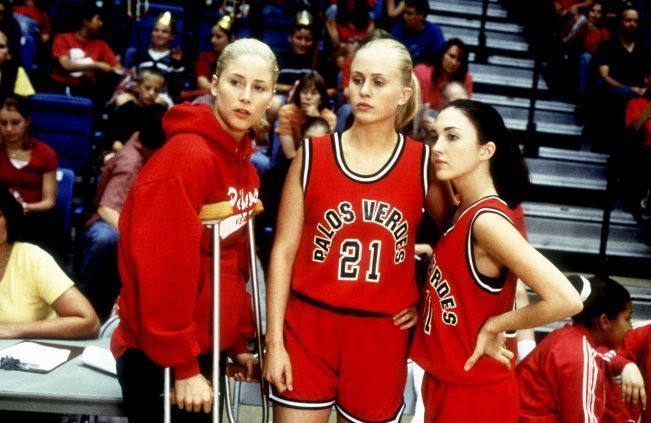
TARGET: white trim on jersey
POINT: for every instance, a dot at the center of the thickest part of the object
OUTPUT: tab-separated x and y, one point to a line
471	258
425	168
589	382
307	162
471	206
608	356
355	420
299	404
386	168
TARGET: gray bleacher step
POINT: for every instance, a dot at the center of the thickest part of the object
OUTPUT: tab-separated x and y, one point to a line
585	176
465	7
475	23
572	155
500	100
506	77
575	213
558	123
584	237
496	40
515	62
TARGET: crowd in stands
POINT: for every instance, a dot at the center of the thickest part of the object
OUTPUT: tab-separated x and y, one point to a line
596	52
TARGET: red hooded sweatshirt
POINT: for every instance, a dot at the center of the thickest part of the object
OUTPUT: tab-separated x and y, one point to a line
165	253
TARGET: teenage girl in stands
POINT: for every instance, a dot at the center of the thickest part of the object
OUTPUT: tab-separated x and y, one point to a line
13	78
165	253
341	279
470	287
28	168
450	65
221	35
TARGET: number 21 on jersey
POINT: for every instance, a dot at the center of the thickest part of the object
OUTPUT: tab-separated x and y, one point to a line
353	260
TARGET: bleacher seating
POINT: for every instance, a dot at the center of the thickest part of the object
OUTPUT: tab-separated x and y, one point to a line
64	123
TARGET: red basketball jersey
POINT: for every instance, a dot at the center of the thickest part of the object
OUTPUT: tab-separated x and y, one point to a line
357	245
457	301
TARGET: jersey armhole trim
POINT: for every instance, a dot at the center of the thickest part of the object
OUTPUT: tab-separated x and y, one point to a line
306	166
488	284
425	168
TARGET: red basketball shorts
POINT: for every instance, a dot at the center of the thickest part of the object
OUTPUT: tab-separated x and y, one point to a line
496	402
356	363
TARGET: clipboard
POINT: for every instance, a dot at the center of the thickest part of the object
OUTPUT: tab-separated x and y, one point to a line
39	357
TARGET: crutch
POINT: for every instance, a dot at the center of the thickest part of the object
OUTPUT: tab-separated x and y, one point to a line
212	215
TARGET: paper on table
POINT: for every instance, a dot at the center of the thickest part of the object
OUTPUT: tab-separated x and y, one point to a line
36	356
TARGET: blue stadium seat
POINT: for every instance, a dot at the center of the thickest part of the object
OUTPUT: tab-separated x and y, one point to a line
64	123
63	209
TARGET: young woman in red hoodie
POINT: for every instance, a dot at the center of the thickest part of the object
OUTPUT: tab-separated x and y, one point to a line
165	252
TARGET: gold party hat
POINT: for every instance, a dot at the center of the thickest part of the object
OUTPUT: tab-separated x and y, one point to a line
165	18
303	18
225	23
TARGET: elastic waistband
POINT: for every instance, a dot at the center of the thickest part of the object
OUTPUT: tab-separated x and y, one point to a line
339	310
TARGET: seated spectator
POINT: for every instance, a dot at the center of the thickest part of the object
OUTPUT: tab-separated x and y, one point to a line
423	123
38	299
83	64
621	63
636	152
584	34
422	38
309	100
32	9
161	56
564	377
13	78
220	36
637	348
10	27
569	8
99	279
350	25
133	109
450	65
28	168
301	59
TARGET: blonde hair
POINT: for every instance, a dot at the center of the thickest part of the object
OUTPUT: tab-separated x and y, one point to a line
253	47
407	111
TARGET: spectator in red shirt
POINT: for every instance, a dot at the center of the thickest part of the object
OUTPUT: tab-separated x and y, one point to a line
83	64
220	36
31	9
28	169
99	279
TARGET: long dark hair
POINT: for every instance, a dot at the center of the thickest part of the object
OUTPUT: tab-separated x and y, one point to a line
13	213
460	74
8	70
507	166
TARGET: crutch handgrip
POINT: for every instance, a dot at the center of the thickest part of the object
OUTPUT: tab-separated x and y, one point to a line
215	211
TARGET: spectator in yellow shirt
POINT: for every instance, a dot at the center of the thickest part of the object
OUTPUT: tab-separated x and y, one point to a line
37	299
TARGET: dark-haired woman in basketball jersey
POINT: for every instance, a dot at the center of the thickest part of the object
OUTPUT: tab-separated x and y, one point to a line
470	287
